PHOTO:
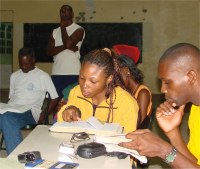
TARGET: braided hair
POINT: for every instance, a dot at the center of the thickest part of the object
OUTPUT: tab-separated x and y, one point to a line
136	73
106	59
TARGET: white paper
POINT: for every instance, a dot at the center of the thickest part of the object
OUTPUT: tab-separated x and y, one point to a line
111	144
95	123
134	153
111	139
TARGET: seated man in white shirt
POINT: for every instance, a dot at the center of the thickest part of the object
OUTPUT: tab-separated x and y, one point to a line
28	86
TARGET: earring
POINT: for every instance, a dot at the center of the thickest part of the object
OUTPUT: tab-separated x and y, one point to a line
107	90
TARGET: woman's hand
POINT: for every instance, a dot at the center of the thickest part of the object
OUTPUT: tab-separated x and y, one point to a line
71	113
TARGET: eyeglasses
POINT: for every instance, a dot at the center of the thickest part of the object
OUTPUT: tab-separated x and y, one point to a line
76	137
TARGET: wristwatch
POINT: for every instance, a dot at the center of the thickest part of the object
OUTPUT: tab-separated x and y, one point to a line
169	158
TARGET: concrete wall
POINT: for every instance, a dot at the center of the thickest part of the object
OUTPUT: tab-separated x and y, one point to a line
165	22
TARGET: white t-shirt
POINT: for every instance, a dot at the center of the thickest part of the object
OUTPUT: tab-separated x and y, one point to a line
30	88
66	62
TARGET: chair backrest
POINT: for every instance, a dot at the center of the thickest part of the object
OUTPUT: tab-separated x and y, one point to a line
44	116
45	107
147	122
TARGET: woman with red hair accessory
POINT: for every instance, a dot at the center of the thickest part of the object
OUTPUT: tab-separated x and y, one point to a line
131	51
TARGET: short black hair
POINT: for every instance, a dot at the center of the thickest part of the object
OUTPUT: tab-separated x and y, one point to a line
68	7
178	49
26	51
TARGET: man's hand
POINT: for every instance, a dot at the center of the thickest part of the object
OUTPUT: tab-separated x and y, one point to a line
146	143
168	117
63	23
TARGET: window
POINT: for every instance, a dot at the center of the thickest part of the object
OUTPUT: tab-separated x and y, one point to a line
6	38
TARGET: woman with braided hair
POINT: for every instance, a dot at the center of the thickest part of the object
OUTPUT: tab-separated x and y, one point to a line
100	93
133	80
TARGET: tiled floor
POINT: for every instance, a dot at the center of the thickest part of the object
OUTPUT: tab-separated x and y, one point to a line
155	163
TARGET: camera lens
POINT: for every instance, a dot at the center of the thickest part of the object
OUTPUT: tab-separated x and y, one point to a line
30	157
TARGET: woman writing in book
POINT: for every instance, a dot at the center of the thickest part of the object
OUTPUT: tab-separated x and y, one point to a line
100	93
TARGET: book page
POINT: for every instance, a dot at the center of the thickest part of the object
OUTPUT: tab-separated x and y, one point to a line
106	126
91	126
78	124
111	144
95	123
72	127
113	127
111	139
134	153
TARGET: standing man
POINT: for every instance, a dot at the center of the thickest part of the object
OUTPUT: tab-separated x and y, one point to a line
64	45
28	86
179	71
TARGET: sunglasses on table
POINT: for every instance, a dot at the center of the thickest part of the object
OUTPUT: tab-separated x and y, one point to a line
76	137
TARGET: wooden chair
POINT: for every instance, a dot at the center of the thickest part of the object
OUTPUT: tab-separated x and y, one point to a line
44	118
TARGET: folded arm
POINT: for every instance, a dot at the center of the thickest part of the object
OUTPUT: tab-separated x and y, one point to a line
69	42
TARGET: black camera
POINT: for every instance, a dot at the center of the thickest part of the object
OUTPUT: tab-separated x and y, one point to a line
29	156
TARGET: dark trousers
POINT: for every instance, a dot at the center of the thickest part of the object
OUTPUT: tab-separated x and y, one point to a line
62	81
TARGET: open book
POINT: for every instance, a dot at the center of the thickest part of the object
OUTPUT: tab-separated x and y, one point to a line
91	126
111	144
17	108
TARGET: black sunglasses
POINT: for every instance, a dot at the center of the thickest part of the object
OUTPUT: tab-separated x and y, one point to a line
76	137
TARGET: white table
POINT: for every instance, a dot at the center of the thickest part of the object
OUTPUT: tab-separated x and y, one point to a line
40	139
